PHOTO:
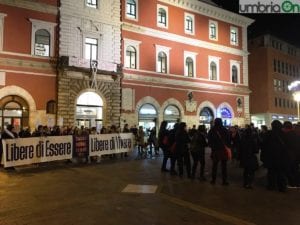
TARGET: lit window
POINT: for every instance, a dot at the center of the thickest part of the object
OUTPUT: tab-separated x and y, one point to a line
91	3
213	71
233	36
42	38
91	48
234	75
189	63
42	43
130	57
162	62
213	30
131	9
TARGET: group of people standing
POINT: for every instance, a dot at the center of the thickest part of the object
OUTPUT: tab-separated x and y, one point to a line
279	150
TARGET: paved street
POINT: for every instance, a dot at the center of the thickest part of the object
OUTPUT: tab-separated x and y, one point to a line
98	193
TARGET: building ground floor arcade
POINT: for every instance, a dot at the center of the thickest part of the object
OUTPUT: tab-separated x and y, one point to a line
148	106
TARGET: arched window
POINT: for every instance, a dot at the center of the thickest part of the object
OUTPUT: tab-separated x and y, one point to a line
189	63
189	24
172	115
131	9
130	61
162	62
148	116
89	110
162	17
213	71
14	110
234	74
42	43
212	31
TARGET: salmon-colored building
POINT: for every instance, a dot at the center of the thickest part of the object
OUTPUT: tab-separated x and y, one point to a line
273	65
183	61
27	62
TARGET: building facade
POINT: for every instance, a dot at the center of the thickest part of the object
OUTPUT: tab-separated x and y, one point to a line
183	60
28	50
273	65
89	74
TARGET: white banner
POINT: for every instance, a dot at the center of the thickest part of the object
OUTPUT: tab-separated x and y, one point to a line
24	151
110	143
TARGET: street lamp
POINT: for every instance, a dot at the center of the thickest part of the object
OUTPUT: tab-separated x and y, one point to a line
295	88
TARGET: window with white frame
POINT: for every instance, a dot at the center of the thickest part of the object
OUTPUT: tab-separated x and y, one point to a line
162	62
213	71
130	60
42	38
91	48
42	43
234	36
213	30
235	71
162	59
189	23
189	64
92	3
234	74
213	65
2	15
131	9
131	53
162	16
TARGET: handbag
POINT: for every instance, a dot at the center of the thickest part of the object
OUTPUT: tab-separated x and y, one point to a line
228	151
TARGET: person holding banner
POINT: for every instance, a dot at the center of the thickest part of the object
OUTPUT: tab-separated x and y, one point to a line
8	133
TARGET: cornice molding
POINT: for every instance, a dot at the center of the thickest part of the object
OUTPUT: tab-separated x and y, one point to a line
182	39
28	64
211	11
31	5
188	84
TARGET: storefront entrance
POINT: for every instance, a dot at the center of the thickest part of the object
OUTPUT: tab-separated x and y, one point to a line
89	110
14	110
206	117
148	117
171	115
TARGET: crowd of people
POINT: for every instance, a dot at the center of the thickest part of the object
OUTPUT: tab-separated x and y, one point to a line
279	150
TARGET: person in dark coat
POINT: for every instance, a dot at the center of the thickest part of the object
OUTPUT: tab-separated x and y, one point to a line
182	150
276	158
218	137
8	133
198	144
163	142
172	147
291	139
248	158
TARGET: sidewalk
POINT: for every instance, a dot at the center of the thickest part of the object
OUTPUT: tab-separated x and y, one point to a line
134	191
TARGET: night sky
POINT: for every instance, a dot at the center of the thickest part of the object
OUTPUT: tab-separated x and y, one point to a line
283	26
